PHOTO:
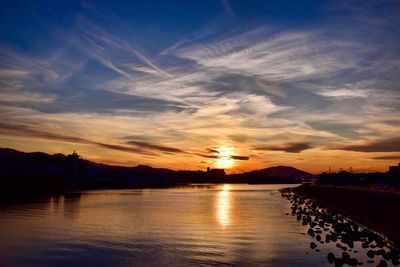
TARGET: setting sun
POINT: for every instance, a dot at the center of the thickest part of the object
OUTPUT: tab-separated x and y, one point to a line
225	161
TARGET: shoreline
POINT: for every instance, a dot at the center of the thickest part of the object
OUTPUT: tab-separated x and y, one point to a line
378	210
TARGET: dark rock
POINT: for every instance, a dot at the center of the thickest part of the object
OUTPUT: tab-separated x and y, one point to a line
313	245
370	254
386	256
310	232
352	262
350	244
339	262
331	257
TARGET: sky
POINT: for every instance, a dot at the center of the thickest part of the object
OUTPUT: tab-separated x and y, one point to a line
240	85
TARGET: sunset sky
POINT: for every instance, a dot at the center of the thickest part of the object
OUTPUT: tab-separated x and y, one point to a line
240	85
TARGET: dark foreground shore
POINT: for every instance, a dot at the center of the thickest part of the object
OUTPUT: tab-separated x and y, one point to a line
328	214
378	210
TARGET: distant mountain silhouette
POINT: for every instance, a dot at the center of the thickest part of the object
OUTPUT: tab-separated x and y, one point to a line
40	170
287	172
20	169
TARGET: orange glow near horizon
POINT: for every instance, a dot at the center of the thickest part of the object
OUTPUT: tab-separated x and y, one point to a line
314	160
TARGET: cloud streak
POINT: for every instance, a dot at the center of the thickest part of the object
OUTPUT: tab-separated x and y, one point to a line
27	131
227	7
391	157
385	145
236	157
155	147
288	147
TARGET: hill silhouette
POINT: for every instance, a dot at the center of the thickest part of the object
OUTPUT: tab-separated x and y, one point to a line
287	172
20	170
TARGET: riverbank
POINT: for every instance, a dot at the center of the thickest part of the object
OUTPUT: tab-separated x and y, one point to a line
376	209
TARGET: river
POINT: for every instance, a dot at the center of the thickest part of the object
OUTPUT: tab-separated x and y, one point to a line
182	226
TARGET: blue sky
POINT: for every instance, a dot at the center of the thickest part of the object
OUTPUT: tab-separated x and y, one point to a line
233	84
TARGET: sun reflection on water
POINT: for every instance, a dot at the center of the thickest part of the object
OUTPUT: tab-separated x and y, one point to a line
223	207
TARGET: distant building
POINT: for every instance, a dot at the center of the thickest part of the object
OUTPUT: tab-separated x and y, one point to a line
73	156
395	170
73	168
215	172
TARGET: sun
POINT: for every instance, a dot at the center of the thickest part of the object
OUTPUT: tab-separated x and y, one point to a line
224	163
224	160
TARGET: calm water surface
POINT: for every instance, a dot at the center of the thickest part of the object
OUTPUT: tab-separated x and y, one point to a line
216	225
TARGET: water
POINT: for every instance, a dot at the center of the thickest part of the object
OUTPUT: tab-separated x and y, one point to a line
216	225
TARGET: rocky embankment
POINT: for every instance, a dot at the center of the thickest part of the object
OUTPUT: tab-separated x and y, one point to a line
348	242
378	210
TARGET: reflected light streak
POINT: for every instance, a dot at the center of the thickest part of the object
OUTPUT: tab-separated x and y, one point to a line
223	207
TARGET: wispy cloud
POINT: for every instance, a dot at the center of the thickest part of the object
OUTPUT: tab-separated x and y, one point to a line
228	8
146	70
107	45
27	131
207	156
278	57
391	157
216	156
142	144
344	93
212	150
236	157
288	147
384	145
